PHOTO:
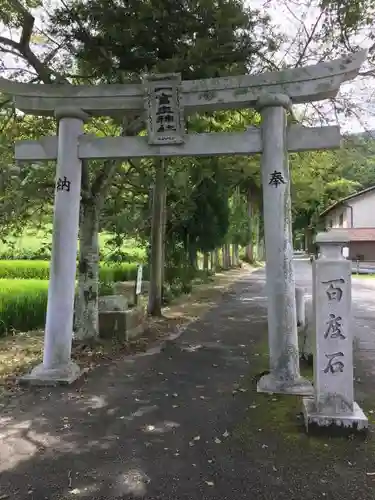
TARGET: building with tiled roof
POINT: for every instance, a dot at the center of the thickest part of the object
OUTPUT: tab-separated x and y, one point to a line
356	215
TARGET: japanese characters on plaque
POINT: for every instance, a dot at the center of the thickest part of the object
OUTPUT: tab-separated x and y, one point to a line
165	120
334	326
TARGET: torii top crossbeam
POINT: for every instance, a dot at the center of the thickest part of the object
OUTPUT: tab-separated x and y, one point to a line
311	83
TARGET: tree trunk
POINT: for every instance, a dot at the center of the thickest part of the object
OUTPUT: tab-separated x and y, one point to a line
212	261
92	198
192	256
309	246
228	256
156	258
223	257
236	259
261	249
216	259
205	261
86	310
164	229
256	236
249	247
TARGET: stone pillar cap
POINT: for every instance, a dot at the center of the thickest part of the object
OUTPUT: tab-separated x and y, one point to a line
332	237
70	112
268	99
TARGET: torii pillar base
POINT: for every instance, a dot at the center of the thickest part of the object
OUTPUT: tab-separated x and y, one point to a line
271	384
61	375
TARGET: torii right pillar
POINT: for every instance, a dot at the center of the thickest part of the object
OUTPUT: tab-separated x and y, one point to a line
284	376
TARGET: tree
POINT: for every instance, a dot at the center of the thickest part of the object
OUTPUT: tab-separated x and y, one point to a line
349	17
86	42
27	190
205	225
45	65
319	179
199	39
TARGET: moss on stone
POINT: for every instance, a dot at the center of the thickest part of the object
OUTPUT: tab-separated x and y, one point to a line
278	419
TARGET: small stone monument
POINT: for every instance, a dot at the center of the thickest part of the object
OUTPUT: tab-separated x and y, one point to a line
333	404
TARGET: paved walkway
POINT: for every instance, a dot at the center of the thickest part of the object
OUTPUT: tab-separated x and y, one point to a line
182	424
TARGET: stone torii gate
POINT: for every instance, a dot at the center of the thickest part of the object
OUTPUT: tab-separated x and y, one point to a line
164	100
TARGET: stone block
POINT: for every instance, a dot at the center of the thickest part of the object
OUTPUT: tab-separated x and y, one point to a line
127	288
121	325
113	303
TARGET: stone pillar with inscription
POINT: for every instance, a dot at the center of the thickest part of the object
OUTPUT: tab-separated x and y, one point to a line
284	376
57	366
333	404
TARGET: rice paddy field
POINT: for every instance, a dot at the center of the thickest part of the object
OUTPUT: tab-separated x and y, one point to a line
24	275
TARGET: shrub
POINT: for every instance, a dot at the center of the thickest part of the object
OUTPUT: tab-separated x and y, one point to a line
120	272
35	244
23	304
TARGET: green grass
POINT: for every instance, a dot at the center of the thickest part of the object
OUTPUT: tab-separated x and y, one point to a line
39	269
24	291
22	304
24	269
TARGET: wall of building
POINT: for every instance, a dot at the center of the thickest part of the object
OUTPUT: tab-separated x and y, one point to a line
364	250
338	217
364	210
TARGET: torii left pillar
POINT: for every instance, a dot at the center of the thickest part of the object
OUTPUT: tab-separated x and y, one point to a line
284	376
57	366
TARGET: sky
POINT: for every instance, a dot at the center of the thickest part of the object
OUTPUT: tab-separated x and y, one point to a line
361	91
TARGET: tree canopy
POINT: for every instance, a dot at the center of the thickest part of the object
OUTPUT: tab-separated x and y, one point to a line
116	41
